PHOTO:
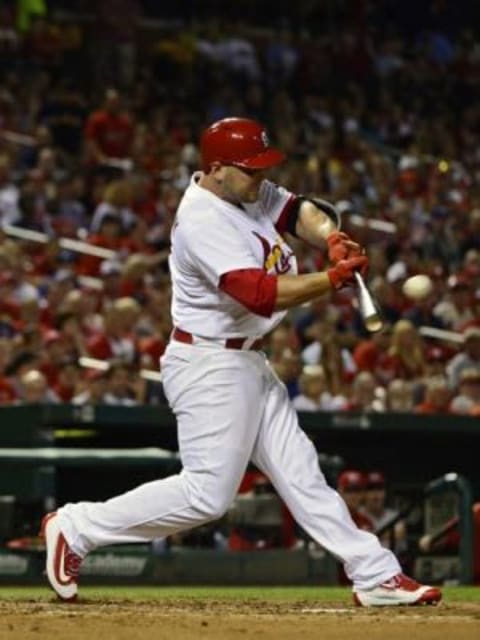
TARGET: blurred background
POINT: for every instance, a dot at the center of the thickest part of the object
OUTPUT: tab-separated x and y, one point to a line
377	105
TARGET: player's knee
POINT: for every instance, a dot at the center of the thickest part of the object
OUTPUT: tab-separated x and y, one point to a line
212	507
216	513
208	505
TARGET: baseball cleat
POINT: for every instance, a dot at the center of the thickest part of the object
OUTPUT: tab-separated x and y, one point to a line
63	565
399	590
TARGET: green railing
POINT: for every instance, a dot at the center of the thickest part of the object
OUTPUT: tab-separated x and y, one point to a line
44	450
30	425
463	489
398	444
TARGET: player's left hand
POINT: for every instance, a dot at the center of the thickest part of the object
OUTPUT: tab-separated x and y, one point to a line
342	247
343	273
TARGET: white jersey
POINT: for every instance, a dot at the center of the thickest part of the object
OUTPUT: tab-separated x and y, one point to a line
211	237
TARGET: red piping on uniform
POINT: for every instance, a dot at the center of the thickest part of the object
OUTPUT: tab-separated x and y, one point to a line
282	223
253	288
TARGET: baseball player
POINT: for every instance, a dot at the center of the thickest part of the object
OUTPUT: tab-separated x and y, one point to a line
234	277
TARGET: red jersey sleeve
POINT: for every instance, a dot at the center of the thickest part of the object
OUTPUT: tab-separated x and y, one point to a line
253	288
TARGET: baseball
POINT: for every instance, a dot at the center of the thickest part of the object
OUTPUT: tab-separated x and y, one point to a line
417	287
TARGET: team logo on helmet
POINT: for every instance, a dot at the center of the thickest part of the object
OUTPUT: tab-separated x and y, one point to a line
265	140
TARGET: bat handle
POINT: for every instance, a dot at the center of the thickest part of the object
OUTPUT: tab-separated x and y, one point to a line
371	316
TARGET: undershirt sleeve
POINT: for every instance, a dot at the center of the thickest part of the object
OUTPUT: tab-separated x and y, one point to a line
253	288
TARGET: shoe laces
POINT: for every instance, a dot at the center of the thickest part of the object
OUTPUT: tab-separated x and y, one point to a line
72	563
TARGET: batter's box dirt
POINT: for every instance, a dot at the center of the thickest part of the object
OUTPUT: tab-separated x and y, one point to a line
185	619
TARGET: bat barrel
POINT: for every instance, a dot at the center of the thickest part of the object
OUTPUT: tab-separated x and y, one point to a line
371	316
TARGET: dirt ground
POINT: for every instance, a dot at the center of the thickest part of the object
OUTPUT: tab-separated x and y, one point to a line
197	620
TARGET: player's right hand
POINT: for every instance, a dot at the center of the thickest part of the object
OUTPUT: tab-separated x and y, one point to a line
343	273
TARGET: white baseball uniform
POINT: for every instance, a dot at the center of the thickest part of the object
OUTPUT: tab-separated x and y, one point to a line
230	405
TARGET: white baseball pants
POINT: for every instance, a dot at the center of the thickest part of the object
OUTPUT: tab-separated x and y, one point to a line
230	408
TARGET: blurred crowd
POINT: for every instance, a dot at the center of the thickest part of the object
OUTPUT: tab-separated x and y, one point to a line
101	105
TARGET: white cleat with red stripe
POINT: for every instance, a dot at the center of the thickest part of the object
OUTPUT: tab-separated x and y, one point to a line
63	565
399	590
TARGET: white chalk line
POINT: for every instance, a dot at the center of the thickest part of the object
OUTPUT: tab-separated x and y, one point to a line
404	614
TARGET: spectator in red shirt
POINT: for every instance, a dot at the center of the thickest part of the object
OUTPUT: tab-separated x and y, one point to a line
437	397
8	394
30	315
94	387
109	131
118	338
134	271
437	355
269	526
109	237
84	307
150	349
55	350
68	381
370	354
352	485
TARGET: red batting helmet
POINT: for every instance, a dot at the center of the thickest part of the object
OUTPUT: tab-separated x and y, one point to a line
239	142
351	480
375	480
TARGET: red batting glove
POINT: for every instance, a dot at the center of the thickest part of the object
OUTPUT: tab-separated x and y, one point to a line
341	247
342	274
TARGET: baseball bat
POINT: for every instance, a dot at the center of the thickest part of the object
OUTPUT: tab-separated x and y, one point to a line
368	309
